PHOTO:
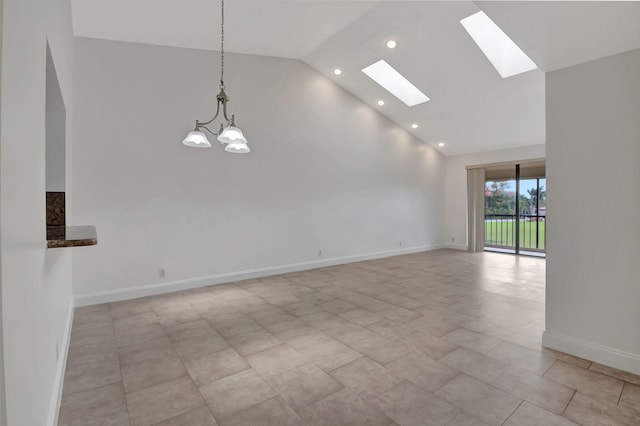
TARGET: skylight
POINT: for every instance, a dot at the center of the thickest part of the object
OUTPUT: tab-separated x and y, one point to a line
504	54
386	76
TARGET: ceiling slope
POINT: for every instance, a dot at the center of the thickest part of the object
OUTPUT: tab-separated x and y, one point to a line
283	28
471	109
557	35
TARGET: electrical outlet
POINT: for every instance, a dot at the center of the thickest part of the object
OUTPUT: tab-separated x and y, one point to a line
319	253
162	273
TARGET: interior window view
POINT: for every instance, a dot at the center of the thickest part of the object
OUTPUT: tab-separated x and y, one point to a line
319	213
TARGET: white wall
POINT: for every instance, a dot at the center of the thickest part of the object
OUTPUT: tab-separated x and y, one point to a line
456	194
36	282
326	171
593	245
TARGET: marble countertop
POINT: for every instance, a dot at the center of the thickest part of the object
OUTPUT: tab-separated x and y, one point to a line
71	236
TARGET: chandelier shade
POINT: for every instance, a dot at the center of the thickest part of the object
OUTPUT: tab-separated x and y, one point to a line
196	139
231	134
237	148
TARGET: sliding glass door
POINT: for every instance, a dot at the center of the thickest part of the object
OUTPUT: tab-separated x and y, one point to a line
515	209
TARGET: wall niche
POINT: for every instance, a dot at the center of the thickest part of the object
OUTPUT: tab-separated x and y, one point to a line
55	148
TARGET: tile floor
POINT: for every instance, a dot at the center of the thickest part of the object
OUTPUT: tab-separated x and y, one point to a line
438	338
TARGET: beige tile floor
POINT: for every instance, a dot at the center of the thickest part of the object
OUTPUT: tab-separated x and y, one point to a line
438	338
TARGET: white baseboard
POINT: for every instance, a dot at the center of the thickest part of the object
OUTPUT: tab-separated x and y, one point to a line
605	355
168	287
54	407
456	246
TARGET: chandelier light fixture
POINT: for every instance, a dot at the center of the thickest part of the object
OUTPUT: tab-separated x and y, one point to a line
228	135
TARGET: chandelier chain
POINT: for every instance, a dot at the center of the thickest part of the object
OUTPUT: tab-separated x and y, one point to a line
222	49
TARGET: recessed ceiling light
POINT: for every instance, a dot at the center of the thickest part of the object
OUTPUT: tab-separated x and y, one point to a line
386	76
391	44
414	126
337	71
380	102
441	144
506	57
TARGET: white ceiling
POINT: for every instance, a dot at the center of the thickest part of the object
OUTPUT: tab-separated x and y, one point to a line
284	28
472	108
560	34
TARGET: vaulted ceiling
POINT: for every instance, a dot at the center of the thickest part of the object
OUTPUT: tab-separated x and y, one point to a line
472	108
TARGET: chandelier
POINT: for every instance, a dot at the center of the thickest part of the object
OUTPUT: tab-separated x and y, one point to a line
228	135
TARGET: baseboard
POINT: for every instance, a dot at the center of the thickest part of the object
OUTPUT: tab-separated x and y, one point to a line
168	287
54	407
456	247
605	355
